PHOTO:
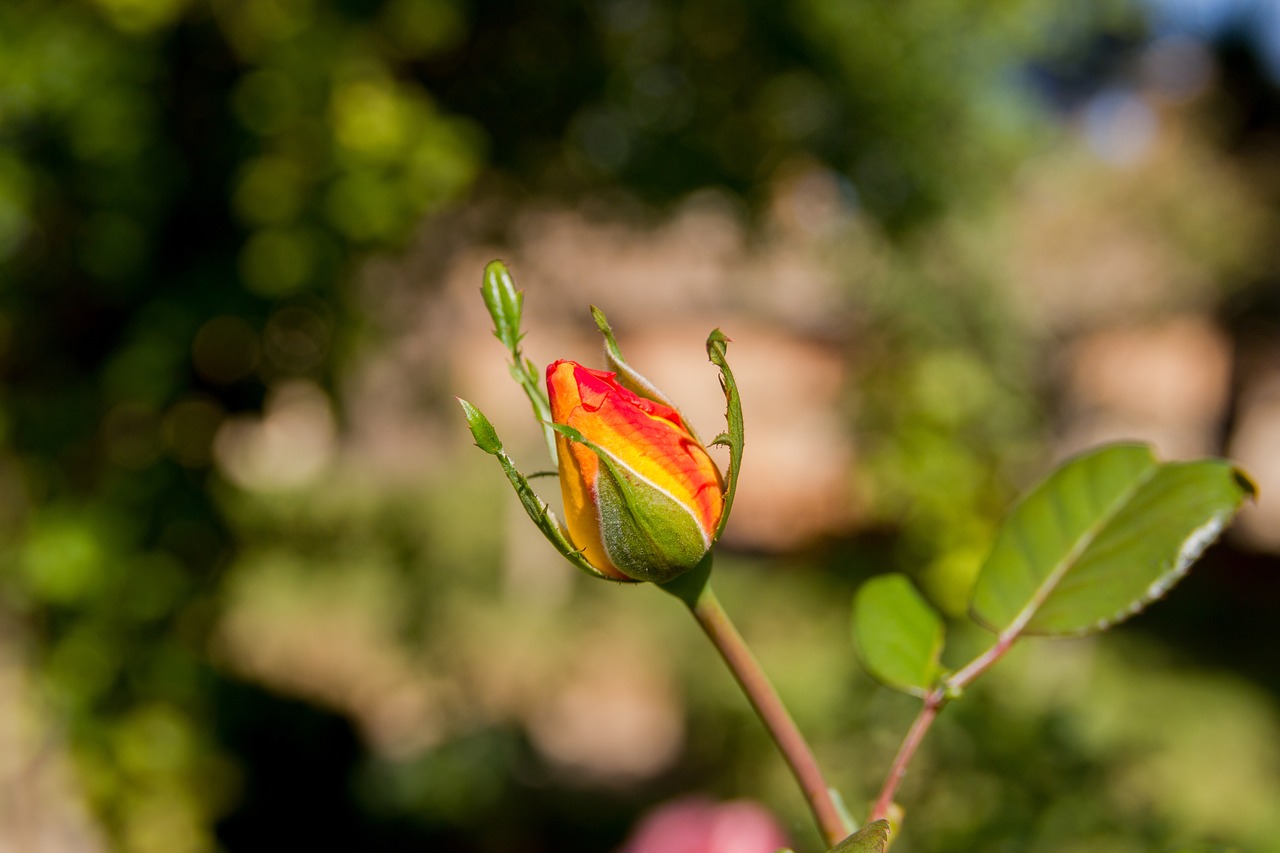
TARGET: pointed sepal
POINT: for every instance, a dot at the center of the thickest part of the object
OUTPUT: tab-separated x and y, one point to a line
717	351
486	438
628	376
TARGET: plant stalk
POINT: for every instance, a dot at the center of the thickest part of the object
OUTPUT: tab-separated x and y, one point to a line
768	706
934	701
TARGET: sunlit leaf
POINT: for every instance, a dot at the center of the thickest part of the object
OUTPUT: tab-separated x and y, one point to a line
1102	537
872	838
898	635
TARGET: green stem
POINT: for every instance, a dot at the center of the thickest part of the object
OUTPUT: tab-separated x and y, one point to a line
706	608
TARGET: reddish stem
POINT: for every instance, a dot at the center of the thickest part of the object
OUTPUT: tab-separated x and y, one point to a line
934	701
768	705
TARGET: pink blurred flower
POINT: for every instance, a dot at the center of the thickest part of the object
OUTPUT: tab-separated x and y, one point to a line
701	825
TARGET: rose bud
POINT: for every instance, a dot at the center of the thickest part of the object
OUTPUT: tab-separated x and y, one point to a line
642	498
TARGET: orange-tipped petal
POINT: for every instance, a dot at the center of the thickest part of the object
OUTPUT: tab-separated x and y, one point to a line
642	497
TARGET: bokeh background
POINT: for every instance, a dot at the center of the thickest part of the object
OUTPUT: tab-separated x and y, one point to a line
258	591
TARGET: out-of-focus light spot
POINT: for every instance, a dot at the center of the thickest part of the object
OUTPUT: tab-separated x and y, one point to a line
696	825
266	101
287	448
660	98
270	191
131	435
365	206
141	16
1119	127
112	125
188	429
225	350
1256	20
423	27
83	663
112	246
1177	68
62	558
714	29
626	16
441	165
254	24
610	723
277	261
297	339
145	370
156	581
15	200
603	139
794	106
369	118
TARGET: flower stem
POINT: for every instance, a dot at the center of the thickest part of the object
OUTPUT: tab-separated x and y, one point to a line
707	609
934	701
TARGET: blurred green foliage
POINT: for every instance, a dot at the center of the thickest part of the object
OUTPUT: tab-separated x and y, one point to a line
186	190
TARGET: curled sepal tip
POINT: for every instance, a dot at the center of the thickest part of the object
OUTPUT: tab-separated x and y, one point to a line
717	351
486	438
627	375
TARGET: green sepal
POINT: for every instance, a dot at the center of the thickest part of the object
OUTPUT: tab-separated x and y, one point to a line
506	305
717	351
630	378
487	440
872	838
688	587
648	535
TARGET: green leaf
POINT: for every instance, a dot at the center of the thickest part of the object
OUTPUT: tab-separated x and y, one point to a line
1101	538
506	305
481	430
872	838
898	635
487	440
717	351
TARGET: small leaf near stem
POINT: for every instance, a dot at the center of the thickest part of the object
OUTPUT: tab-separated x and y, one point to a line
872	838
897	633
487	440
693	589
506	305
717	349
